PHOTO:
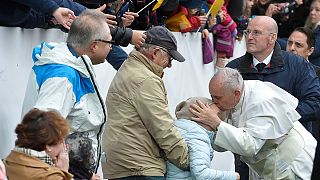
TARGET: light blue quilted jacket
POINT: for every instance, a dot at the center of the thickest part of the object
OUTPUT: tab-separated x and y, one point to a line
199	141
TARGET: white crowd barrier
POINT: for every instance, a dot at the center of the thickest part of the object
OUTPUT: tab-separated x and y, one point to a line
183	80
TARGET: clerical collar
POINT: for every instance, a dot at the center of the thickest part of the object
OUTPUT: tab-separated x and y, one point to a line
265	61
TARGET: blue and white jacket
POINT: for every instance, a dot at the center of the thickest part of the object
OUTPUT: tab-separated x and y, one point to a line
64	82
199	142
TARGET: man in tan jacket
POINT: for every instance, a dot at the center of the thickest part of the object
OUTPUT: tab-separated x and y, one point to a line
140	134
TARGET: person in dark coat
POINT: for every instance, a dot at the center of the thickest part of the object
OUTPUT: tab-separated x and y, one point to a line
34	14
288	14
302	42
286	70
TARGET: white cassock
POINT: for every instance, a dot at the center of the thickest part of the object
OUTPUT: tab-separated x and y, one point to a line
266	132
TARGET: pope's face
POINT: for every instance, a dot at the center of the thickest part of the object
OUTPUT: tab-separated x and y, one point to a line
223	99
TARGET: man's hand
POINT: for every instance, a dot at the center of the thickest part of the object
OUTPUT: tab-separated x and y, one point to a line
101	8
63	16
137	38
272	9
128	18
110	19
206	114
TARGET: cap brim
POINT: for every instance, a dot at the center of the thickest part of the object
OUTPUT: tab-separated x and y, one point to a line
177	56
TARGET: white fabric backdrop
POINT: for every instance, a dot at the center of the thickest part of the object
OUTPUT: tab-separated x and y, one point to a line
183	80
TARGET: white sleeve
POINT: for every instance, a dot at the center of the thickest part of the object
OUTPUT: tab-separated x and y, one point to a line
199	155
238	140
56	93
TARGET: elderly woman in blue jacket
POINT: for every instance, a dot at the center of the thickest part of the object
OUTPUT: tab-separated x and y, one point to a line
199	138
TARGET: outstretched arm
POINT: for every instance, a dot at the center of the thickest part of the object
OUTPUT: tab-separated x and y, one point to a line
63	16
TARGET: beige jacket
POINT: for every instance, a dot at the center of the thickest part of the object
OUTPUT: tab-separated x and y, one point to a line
21	166
139	133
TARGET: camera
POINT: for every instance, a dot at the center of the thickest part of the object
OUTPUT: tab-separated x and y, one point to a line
289	8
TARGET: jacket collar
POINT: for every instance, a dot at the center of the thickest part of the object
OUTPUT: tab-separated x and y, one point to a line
153	67
26	160
53	53
246	65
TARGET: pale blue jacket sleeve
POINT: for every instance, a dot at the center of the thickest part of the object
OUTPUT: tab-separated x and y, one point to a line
199	154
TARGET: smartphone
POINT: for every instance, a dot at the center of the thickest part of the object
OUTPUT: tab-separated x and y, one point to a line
124	8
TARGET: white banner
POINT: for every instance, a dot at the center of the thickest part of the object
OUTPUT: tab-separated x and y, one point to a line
182	81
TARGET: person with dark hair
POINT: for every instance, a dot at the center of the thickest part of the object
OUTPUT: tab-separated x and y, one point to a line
288	14
40	133
302	42
63	79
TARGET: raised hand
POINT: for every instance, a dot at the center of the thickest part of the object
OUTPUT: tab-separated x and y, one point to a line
138	38
63	16
110	19
128	18
62	160
206	114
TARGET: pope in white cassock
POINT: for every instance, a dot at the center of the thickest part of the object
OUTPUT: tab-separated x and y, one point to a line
262	126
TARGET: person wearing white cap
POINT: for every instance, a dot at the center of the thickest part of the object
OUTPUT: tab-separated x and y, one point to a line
139	134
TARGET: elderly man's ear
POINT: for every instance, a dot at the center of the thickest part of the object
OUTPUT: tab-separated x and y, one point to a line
274	37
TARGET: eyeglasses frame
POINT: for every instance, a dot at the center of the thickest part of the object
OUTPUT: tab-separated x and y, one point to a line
105	41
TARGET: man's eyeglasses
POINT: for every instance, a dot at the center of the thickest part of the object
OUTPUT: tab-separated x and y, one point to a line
105	41
163	49
255	33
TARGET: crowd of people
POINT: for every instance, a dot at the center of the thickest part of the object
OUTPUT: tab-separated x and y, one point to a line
264	106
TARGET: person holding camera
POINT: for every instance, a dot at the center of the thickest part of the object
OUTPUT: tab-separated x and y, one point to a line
288	14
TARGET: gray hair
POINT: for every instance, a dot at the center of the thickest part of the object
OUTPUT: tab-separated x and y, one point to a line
144	48
88	26
231	80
